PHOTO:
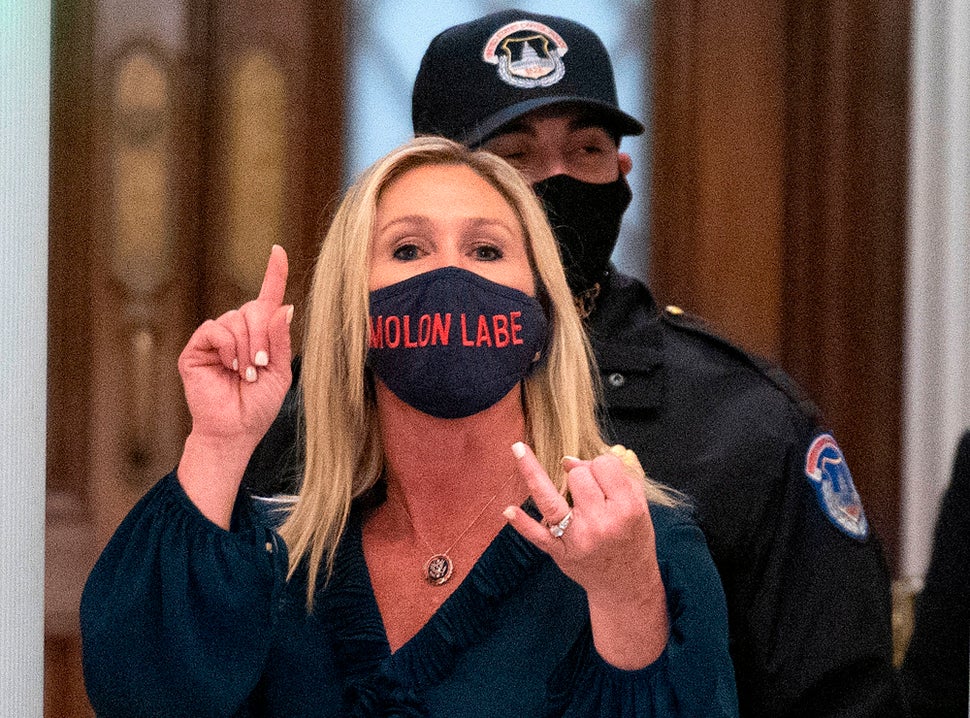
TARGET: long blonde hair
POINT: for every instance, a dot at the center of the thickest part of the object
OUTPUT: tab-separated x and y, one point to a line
343	452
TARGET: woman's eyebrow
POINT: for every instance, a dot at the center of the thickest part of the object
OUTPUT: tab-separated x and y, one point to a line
410	220
476	222
422	222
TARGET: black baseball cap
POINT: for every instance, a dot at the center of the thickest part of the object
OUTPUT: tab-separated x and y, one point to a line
480	75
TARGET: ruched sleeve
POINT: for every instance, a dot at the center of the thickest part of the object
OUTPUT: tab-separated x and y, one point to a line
177	616
693	677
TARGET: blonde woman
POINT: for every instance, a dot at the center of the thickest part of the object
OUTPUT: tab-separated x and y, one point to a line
462	544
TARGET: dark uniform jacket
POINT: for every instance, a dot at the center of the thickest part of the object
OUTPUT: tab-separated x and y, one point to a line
806	583
936	672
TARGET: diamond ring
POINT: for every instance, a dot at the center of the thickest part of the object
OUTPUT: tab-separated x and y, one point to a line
557	530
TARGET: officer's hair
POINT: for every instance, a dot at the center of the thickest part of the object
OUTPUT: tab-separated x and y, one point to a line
344	455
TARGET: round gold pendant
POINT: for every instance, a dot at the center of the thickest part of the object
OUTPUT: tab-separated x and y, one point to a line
438	569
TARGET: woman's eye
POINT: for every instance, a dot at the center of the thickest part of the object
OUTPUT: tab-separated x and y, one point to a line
406	252
488	253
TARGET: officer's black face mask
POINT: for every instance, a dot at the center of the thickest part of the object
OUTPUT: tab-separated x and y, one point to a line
585	218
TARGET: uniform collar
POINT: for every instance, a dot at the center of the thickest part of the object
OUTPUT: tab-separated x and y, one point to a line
625	325
626	333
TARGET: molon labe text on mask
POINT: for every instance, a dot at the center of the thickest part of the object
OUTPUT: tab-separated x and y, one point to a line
409	332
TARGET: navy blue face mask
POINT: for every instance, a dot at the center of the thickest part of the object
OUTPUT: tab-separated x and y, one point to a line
451	343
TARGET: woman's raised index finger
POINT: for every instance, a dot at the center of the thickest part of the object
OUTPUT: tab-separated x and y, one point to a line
274	281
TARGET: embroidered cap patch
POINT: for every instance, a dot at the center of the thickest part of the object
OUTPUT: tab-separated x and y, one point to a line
829	473
528	54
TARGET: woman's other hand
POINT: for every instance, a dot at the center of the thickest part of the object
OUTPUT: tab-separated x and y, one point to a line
236	372
607	547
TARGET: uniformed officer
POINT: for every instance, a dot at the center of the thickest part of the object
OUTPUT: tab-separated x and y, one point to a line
807	586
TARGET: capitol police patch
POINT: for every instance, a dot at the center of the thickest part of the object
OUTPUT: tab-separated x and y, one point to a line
528	54
829	473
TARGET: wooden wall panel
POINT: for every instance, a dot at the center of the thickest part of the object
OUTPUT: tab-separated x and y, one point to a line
741	142
676	181
718	179
144	227
138	243
779	201
845	232
288	66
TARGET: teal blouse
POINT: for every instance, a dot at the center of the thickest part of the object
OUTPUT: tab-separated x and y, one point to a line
182	618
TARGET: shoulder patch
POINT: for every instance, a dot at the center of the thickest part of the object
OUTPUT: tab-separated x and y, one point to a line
826	468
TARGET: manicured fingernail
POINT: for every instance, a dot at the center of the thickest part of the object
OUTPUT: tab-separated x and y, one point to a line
570	458
509	513
261	358
518	449
289	314
250	374
235	365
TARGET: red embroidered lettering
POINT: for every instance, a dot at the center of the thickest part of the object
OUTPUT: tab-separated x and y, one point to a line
374	331
483	335
409	343
442	330
516	327
424	330
465	341
500	329
388	341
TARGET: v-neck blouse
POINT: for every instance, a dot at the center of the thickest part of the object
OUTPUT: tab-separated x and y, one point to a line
182	618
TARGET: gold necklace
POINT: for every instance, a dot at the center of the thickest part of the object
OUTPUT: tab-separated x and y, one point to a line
438	568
